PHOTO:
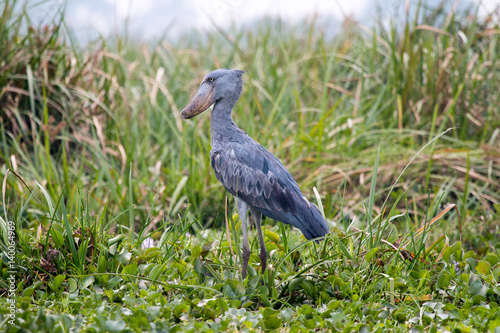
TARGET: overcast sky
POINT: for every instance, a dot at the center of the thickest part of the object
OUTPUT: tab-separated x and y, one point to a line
152	18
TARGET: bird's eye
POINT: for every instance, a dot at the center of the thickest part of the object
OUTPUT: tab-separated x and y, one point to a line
211	79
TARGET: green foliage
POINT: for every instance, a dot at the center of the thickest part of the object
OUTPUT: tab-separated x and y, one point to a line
120	223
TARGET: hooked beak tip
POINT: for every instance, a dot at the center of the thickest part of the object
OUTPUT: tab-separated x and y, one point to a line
200	102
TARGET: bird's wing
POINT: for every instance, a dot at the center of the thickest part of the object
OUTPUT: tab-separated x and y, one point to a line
256	176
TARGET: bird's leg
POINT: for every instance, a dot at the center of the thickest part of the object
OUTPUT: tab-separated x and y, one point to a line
263	252
243	211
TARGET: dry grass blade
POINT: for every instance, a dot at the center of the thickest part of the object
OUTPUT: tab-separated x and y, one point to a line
427	225
433	29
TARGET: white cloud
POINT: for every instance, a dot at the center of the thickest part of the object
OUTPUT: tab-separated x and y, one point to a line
153	17
131	9
224	12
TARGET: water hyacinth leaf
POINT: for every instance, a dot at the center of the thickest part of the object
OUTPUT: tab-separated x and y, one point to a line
124	257
111	283
56	284
253	281
86	281
496	273
305	309
195	253
72	285
453	249
28	292
129	270
483	267
286	314
444	279
150	253
494	325
157	271
271	321
472	262
295	283
338	317
492	259
236	286
399	283
114	326
400	315
57	237
477	288
311	323
152	296
371	254
262	290
116	239
308	287
200	268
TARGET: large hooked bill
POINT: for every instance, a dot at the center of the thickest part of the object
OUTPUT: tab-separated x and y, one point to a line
200	102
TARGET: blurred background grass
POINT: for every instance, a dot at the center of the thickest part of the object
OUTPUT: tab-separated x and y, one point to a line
101	121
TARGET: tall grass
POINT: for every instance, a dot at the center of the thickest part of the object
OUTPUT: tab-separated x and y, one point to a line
103	120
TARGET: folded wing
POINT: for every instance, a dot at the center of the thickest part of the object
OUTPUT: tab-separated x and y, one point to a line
251	173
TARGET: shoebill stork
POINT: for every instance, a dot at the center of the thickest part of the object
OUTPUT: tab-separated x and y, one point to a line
255	177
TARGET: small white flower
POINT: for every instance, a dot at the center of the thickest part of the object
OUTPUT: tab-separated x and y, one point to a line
148	243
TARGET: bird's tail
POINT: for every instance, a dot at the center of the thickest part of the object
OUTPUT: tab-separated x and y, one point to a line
313	224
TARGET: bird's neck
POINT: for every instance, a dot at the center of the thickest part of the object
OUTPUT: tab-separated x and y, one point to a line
221	120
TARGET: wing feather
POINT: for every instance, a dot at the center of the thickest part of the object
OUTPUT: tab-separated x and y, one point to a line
256	176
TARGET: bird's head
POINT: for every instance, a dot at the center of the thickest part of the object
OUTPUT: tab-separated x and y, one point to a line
217	85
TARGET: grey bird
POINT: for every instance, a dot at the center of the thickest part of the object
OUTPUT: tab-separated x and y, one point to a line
255	177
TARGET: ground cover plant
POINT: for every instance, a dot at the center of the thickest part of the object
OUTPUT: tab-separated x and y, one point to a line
119	224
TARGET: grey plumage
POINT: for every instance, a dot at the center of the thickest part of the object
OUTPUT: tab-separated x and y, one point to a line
247	170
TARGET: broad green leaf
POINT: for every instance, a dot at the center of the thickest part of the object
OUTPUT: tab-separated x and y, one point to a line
492	259
111	283
157	271
116	239
371	254
472	262
86	281
444	279
57	237
496	273
58	280
195	253
483	267
272	323
477	288
130	269
457	246
308	287
124	257
72	285
294	284
28	291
